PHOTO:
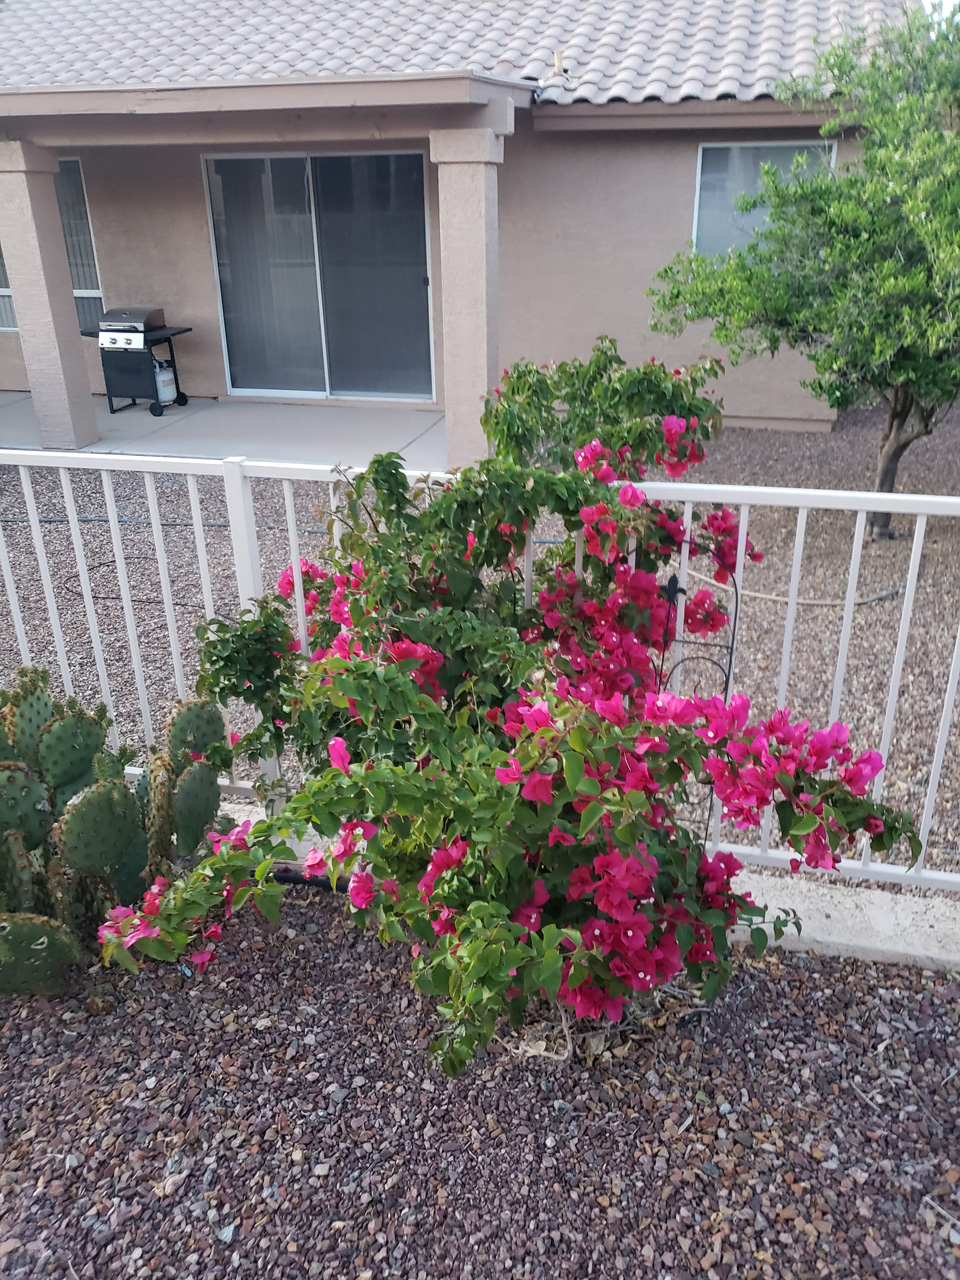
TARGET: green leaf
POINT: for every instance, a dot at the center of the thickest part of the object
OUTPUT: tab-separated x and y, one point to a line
759	939
573	766
590	817
809	822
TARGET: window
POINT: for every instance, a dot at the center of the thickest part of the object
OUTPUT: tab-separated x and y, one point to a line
322	265
80	253
727	172
8	319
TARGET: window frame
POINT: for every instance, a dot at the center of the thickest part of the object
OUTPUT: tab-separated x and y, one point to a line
308	155
77	293
794	143
86	293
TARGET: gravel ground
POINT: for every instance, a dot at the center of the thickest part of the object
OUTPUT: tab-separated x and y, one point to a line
843	458
279	1117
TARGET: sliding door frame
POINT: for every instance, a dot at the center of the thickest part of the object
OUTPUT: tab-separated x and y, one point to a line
307	157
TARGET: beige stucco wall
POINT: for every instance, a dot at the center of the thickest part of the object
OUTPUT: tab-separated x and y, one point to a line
151	230
586	221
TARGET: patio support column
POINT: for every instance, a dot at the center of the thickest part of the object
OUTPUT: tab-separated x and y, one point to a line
35	255
467	162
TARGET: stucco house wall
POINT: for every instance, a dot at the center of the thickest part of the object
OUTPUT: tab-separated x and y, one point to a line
586	220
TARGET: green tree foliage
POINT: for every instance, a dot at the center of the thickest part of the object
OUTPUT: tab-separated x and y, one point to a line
857	266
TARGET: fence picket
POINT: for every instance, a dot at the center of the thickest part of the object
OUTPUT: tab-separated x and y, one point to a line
130	619
166	595
86	592
46	581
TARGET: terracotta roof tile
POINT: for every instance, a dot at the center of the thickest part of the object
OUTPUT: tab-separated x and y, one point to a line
632	50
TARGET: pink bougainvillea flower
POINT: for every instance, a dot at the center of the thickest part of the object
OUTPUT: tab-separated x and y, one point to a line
611	709
537	716
630	496
315	863
391	889
557	836
339	755
213	933
140	929
362	889
538	788
445	922
112	928
154	897
873	826
234	739
234	840
863	770
471	543
509	773
202	958
445	858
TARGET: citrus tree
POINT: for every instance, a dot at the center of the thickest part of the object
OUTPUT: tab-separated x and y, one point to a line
856	265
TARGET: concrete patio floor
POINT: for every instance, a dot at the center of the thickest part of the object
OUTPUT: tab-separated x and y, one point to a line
326	434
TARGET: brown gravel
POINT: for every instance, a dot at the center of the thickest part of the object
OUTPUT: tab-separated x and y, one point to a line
279	1117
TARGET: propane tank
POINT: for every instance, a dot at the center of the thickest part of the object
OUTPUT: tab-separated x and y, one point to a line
166	383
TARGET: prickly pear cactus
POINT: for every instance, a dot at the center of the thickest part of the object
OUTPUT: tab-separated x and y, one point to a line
26	804
128	877
63	795
112	764
97	828
158	813
28	708
35	955
67	746
196	801
16	872
193	727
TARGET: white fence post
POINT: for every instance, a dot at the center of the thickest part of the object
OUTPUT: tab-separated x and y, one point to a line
243	530
246	553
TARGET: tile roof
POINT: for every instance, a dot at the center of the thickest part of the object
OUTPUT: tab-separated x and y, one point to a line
611	50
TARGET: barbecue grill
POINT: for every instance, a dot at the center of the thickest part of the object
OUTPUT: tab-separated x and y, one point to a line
127	337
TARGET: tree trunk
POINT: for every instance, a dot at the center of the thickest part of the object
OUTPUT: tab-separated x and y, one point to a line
896	438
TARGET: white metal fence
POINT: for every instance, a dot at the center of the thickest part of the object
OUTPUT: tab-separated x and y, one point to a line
108	561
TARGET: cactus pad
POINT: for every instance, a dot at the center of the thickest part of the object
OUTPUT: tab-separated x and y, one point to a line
158	812
97	827
63	795
67	746
16	872
35	955
194	727
127	878
195	805
28	709
26	804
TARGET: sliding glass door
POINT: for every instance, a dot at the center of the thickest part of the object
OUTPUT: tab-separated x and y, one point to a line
323	273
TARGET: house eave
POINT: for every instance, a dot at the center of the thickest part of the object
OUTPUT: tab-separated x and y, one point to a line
658	117
428	89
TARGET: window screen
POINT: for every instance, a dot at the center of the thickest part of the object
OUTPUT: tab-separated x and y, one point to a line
78	238
728	172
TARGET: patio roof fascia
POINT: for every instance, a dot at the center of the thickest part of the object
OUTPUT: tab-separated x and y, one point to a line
427	89
692	116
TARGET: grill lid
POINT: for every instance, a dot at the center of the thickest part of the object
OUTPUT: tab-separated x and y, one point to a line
132	319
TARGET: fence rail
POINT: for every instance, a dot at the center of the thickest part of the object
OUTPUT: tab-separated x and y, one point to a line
99	551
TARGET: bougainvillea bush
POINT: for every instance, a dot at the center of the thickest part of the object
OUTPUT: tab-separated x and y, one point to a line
500	785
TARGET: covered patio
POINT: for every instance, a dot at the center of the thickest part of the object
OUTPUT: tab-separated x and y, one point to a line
322	434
